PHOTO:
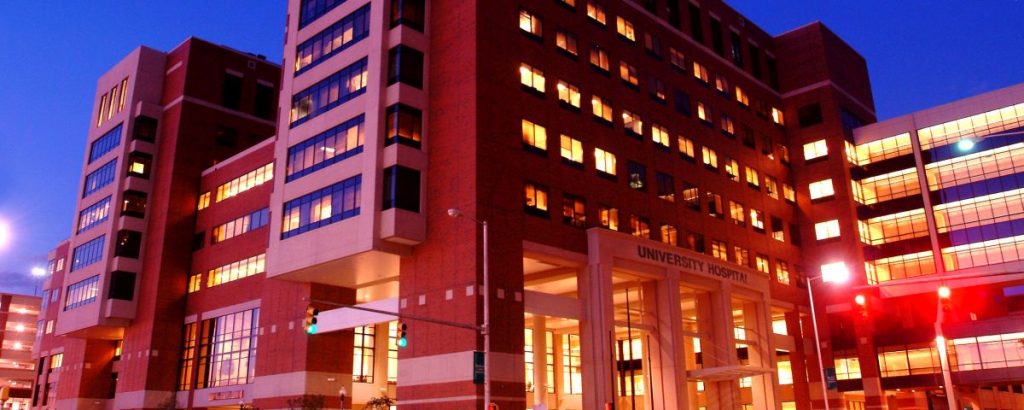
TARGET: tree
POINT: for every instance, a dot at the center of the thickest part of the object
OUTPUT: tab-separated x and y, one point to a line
308	402
380	403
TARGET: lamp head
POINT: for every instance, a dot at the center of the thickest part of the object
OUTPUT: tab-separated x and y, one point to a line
38	272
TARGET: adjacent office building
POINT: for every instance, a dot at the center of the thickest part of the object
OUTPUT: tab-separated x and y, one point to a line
18	315
651	175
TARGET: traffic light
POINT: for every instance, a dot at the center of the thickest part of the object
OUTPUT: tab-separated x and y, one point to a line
310	322
861	305
402	340
944	294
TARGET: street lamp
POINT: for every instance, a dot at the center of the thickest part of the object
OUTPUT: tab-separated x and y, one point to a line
37	274
836	273
485	327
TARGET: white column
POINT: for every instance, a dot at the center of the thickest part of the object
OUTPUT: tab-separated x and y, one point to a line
718	345
596	334
540	361
761	354
664	350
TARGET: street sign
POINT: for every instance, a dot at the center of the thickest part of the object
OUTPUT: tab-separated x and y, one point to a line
478	367
830	378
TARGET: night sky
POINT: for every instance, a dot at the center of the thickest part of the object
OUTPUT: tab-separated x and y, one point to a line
919	53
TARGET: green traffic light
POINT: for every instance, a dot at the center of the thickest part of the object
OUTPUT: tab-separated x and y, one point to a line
403	342
311	329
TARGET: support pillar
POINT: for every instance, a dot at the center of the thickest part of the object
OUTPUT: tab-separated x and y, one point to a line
870	374
718	346
664	366
801	363
756	319
540	361
597	335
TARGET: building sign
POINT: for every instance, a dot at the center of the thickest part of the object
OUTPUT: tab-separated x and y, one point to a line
691	264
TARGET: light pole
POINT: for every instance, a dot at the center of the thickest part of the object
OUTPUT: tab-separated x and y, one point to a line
485	326
836	273
37	274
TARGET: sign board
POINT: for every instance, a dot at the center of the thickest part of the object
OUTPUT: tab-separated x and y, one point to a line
478	367
830	378
691	264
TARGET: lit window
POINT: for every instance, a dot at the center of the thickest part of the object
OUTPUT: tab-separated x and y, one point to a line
732	169
737	214
777	116
703	113
782	272
572	149
789	193
816	149
827	229
56	361
761	263
637	175
715	205
604	161
669	235
660	135
596	12
362	354
250	180
691	196
757	220
628	73
666	186
124	92
204	201
599	58
741	255
639	226
535	136
632	123
719	250
529	23
236	270
771	187
102	107
566	42
602	109
568	94
728	127
686	148
609	217
574	211
676	58
531	77
753	178
700	72
778	230
742	97
624	28
138	164
195	283
721	85
710	158
821	189
536	197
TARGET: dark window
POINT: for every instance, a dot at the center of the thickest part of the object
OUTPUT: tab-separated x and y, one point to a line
105	143
405	65
134	204
226	136
849	120
682	100
264	105
145	128
696	28
666	186
747	136
737	48
773	72
404	126
310	10
637	175
112	391
129	243
691	196
695	242
139	164
231	94
122	285
401	188
408	13
716	37
755	60
809	115
794	235
198	240
674	13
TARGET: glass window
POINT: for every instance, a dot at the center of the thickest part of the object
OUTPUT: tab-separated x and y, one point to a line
691	196
757	220
666	186
401	188
322	207
771	187
821	189
728	127
129	244
334	90
628	74
599	58
677	59
637	175
596	12
604	161
703	113
660	135
761	263
737	213
719	250
753	178
632	123
609	217
700	72
572	374
531	78
625	29
241	225
669	235
310	10
236	270
100	178
777	116
227	349
87	253
782	272
93	215
362	354
404	126
574	211
572	149
789	193
741	255
536	198
686	147
566	42
742	97
602	109
324	149
82	292
710	158
405	65
568	94
732	169
534	136
816	149
530	23
105	143
409	13
639	226
715	205
245	182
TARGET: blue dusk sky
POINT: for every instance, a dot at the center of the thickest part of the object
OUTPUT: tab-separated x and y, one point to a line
919	53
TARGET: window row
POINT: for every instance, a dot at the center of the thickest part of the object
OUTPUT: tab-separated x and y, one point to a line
100	178
219	352
87	253
112	102
247	223
980	211
245	182
332	40
94	215
236	270
82	293
334	90
105	143
322	207
326	148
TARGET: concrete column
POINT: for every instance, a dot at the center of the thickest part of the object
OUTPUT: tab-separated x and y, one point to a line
664	353
874	396
800	362
540	361
756	319
597	334
718	346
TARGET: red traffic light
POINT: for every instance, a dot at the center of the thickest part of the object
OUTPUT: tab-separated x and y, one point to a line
944	292
861	307
860	300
